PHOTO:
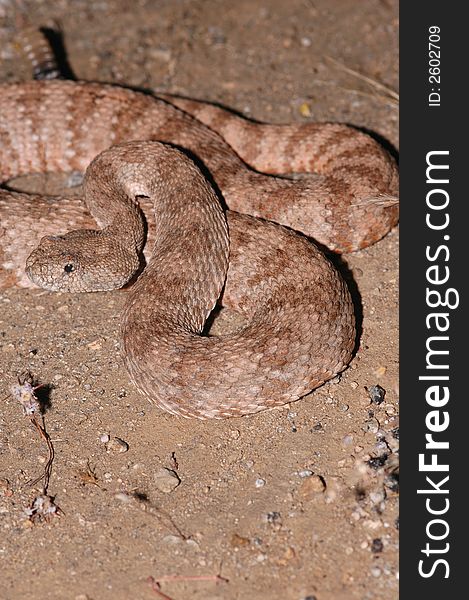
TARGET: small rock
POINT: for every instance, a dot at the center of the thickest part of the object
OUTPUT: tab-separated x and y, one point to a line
172	539
166	480
377	497
377	546
377	462
305	110
259	483
372	425
74	179
238	541
376	393
305	473
123	497
391	481
117	445
274	518
312	487
104	439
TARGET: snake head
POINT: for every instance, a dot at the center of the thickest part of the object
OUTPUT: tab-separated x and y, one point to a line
81	261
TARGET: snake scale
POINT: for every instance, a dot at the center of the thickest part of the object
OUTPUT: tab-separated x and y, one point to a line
180	161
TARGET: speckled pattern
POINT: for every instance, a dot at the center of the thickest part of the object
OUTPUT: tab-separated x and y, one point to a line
350	202
300	321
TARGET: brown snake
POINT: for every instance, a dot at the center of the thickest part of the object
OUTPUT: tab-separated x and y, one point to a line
300	322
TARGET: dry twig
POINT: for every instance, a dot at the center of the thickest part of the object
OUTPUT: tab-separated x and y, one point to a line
387	94
43	507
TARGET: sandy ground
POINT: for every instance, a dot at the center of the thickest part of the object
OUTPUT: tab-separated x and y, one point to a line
298	503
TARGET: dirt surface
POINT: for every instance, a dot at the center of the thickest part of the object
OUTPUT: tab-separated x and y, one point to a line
298	503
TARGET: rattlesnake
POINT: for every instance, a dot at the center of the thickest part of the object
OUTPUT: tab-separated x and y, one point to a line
300	322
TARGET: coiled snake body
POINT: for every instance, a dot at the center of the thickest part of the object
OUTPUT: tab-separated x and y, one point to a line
299	327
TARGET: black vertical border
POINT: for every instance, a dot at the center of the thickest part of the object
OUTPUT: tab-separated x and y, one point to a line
424	129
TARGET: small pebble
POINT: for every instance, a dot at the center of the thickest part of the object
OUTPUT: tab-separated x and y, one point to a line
312	487
305	110
391	481
274	518
172	539
377	497
117	445
166	480
261	557
238	541
74	179
353	385
376	393
305	473
123	497
378	461
375	571
372	425
259	483
104	439
377	546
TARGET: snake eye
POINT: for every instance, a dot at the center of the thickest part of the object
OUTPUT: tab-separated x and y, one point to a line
69	267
